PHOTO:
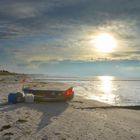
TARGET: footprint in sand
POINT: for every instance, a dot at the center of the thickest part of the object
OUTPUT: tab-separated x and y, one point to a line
5	127
21	121
7	136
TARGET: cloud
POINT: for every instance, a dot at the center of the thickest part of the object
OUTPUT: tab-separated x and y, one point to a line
28	17
19	10
33	32
64	50
51	16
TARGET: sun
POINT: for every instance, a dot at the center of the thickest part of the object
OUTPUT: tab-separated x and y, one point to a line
105	43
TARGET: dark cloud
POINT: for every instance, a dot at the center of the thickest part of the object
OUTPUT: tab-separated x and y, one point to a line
133	52
130	55
28	17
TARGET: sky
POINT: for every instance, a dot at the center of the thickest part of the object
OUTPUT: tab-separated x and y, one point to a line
58	37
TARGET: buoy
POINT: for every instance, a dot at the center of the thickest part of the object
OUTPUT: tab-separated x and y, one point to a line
29	98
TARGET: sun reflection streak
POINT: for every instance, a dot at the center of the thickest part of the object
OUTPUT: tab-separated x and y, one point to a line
106	83
107	87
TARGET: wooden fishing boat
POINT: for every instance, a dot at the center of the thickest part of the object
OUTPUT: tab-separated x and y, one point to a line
49	91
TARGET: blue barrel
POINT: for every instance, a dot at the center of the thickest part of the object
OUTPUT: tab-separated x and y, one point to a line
12	98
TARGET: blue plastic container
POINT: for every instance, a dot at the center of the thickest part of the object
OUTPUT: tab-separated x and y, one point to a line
12	98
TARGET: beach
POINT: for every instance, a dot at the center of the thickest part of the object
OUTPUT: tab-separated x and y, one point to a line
78	119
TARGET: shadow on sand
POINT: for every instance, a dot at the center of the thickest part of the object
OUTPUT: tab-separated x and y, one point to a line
110	107
49	110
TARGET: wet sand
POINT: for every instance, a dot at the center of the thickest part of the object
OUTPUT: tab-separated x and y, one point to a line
78	119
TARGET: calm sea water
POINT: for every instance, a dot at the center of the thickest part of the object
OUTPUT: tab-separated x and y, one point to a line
108	89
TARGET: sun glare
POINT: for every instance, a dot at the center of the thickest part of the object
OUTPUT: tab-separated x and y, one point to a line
107	87
106	83
105	43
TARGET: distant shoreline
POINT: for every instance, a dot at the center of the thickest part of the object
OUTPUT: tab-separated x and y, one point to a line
5	72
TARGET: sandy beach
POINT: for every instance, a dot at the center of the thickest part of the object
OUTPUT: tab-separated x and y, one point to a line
78	119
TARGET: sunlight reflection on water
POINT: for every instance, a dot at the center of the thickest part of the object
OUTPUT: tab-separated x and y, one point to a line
103	90
106	84
109	90
107	87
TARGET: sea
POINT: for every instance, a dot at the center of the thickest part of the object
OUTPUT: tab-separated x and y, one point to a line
108	89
